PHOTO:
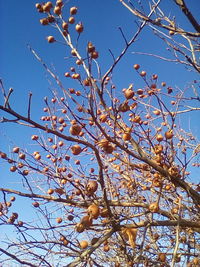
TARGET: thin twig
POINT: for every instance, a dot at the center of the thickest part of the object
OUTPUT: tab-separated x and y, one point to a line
29	105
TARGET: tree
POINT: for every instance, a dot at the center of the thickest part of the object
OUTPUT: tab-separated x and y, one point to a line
112	181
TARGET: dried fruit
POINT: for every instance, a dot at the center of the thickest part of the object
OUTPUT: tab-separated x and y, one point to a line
154	207
162	257
73	10
75	129
129	93
159	137
15	149
44	21
76	150
136	66
13	168
94	54
34	137
35	204
71	20
86	221
83	244
169	134
143	73
59	220
90	47
79	27
79	227
93	211
130	235
92	186
57	10
50	39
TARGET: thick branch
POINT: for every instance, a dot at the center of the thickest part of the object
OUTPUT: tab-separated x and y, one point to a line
188	14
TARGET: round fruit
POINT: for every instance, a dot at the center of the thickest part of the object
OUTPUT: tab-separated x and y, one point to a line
51	19
13	168
34	137
93	211
162	257
76	150
25	172
38	6
79	27
79	227
154	207
106	248
143	73
15	149
70	217
59	220
37	156
90	47
59	3
44	21
126	136
136	66
137	119
169	134
20	223
103	118
86	221
156	112
67	74
140	92
103	143
35	204
159	137
71	20
129	93
109	149
196	261
57	10
12	198
92	186
83	244
75	129
47	7
50	39
94	55
50	191
65	25
73	10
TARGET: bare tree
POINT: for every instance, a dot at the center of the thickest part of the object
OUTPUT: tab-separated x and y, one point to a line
111	181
